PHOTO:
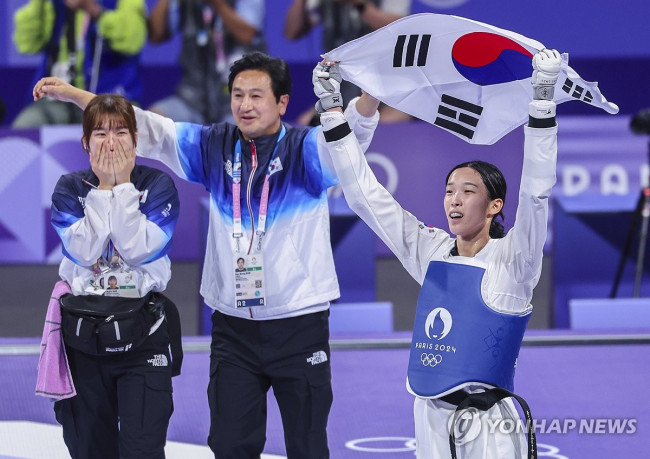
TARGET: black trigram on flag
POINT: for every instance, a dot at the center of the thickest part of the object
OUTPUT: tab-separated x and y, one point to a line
576	91
458	116
400	60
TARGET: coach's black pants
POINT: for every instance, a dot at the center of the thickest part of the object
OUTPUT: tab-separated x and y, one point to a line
134	389
247	358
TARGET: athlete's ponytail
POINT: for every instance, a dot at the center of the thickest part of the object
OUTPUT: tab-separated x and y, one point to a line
496	229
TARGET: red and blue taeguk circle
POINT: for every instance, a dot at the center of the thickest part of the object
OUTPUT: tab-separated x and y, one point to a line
486	58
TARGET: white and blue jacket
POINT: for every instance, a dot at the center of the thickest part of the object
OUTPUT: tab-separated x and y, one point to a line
300	276
138	218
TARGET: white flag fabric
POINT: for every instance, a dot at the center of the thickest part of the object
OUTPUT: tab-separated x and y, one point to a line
469	78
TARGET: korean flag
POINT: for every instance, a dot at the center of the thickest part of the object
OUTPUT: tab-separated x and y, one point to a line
467	77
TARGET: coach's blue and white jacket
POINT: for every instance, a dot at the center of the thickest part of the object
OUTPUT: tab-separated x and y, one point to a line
300	276
138	217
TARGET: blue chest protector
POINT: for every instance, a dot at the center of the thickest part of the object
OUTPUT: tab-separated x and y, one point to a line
457	338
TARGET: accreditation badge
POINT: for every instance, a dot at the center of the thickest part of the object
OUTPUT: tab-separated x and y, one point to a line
250	286
114	283
120	284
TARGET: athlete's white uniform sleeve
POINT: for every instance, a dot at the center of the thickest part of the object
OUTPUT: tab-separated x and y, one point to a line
362	126
398	228
537	179
135	237
514	263
86	239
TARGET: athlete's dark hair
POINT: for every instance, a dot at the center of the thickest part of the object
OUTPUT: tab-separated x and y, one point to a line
275	67
495	183
116	108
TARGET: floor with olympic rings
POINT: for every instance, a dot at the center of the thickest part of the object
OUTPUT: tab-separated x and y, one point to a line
586	393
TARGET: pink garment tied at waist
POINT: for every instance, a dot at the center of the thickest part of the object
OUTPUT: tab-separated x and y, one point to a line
54	379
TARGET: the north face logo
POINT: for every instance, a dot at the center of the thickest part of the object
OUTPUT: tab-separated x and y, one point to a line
159	360
318	357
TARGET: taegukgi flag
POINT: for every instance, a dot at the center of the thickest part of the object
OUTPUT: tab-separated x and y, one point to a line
464	76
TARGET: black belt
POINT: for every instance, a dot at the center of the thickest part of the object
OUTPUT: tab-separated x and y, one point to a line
455	398
484	401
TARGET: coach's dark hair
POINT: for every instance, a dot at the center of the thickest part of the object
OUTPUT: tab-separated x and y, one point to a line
495	183
276	68
116	108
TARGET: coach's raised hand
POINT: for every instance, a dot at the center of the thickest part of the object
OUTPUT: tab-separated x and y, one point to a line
60	90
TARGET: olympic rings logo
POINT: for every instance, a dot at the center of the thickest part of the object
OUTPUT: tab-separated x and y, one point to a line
430	359
382	444
392	445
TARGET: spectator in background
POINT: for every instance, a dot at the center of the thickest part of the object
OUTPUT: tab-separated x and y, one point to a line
215	33
343	21
92	44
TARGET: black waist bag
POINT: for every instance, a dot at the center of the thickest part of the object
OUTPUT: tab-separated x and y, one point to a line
101	325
